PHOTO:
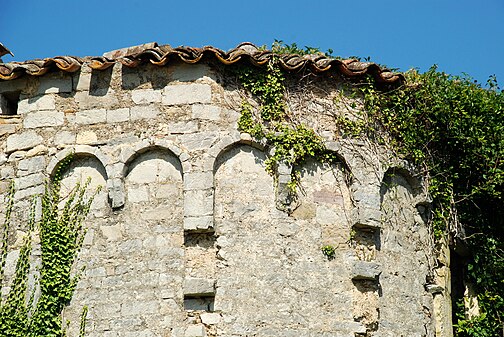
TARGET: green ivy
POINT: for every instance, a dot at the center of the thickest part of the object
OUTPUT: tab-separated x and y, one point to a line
22	314
453	128
449	126
292	143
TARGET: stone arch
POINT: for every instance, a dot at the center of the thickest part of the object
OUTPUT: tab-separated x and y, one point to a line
86	163
337	150
142	247
79	151
242	166
404	255
227	145
286	251
408	177
324	198
149	170
152	145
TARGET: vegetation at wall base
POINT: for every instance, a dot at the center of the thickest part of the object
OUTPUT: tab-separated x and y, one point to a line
33	309
450	127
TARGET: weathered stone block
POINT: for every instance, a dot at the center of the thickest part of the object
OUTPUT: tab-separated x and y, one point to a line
24	182
199	140
366	217
7	128
43	118
118	115
23	141
363	270
143	112
82	81
31	165
199	286
197	330
146	96
37	150
210	318
202	223
38	103
187	94
208	112
198	203
86	137
29	192
116	192
198	180
91	116
100	98
64	137
183	127
368	197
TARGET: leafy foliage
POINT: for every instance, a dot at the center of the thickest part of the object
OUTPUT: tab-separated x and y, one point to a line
329	252
293	143
280	47
453	128
36	310
450	126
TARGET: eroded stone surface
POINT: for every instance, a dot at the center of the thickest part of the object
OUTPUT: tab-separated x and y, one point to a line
190	236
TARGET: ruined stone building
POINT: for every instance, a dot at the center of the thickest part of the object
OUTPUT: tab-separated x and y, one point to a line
190	235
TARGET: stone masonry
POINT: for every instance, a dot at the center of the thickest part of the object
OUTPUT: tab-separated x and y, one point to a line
191	237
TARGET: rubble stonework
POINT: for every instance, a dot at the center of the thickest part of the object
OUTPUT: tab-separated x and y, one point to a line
187	238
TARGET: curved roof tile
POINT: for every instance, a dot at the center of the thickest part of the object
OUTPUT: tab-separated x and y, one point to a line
162	55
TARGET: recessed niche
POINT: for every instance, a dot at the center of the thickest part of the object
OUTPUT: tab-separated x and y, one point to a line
204	303
202	240
9	103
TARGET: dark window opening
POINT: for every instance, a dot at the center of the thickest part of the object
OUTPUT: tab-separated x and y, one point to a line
9	103
205	303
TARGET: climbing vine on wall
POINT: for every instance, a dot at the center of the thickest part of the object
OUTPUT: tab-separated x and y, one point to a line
450	127
453	128
36	309
293	142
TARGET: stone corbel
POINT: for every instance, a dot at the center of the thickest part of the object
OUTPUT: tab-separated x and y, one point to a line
115	185
285	198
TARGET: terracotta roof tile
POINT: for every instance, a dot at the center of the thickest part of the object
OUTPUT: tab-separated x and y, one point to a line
162	55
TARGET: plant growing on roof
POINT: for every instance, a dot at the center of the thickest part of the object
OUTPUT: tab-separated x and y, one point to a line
293	142
453	128
450	126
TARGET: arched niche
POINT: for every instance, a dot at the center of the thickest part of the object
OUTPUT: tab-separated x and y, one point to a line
404	256
79	168
270	264
153	185
243	188
324	199
143	246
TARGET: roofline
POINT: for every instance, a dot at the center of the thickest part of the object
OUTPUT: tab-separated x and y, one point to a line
161	55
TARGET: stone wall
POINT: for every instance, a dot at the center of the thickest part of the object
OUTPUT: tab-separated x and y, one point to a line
187	237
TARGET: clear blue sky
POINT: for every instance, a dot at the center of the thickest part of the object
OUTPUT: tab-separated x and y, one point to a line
458	35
